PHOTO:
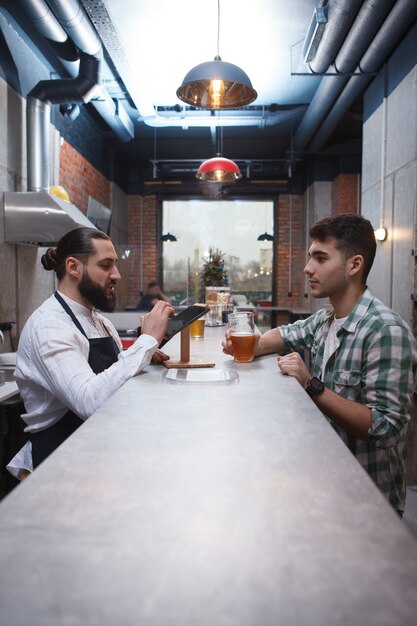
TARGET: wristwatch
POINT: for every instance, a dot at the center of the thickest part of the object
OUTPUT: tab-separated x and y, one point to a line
314	386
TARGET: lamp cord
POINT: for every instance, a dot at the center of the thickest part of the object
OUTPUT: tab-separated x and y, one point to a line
218	28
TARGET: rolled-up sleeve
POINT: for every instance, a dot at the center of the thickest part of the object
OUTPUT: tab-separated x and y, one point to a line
388	383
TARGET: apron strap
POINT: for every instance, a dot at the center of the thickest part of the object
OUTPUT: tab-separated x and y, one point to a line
70	313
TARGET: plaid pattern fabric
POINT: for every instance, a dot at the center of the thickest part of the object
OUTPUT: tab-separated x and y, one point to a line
375	364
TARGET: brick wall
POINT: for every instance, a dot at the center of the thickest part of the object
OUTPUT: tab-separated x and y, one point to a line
290	252
81	179
345	193
143	221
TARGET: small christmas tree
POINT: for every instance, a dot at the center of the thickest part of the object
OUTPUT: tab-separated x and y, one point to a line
213	273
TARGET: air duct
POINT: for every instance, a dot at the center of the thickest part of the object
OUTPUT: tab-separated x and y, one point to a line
340	16
366	26
67	90
70	19
388	37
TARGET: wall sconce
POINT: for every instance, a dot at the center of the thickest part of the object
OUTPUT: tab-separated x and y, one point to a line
381	233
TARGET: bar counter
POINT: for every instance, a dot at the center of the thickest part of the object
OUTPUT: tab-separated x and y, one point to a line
205	504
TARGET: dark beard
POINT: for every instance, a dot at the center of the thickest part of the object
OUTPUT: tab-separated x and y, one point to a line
95	294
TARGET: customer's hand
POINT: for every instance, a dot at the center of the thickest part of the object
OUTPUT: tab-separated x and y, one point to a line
228	347
293	365
227	344
155	322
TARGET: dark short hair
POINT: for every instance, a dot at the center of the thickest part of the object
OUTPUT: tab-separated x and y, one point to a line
153	284
353	235
78	243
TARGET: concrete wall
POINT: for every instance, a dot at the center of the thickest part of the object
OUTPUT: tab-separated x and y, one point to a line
390	159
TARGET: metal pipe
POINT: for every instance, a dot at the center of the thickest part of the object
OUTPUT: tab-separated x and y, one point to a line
340	16
83	35
391	32
369	20
38	119
44	20
331	97
76	23
38	116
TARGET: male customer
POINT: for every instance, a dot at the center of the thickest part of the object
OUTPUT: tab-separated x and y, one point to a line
363	355
153	294
69	358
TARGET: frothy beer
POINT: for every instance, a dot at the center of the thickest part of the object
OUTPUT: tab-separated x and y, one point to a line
243	347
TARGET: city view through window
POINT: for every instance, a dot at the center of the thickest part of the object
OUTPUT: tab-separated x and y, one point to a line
229	226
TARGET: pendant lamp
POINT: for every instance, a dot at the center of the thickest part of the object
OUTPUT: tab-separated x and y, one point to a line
168	238
218	170
217	84
265	237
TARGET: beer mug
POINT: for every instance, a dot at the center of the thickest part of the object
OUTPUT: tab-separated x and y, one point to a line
242	334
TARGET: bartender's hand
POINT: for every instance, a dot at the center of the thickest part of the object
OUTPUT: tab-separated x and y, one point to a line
155	322
293	365
159	356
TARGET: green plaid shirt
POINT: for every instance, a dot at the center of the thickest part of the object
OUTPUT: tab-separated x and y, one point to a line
374	365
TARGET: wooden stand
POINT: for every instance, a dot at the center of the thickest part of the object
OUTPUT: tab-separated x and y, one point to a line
185	354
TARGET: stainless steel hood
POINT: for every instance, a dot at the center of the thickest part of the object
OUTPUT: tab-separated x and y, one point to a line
36	216
39	218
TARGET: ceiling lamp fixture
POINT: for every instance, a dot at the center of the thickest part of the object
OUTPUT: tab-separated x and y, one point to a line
218	170
265	237
168	238
217	84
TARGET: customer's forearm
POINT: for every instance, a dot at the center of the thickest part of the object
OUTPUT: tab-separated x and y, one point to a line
270	342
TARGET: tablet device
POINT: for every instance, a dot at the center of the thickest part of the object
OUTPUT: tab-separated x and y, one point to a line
177	322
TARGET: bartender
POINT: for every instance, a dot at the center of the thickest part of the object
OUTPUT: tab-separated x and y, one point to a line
70	359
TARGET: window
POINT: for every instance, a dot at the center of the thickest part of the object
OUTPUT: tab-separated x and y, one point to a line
232	226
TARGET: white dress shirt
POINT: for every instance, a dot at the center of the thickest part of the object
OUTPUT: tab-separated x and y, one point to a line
52	370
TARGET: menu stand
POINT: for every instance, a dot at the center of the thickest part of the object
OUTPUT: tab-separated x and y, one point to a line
185	360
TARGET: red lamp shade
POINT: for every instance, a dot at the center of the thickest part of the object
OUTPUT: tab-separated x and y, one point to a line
218	170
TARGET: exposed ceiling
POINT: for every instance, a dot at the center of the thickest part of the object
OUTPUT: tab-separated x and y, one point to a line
155	43
149	45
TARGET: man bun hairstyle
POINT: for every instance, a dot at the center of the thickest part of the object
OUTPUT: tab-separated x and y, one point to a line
78	243
353	234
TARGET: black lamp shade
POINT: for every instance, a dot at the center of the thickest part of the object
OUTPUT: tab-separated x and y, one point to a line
217	85
168	238
265	237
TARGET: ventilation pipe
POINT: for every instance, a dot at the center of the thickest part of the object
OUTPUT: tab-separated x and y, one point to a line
388	37
340	16
366	26
73	20
38	111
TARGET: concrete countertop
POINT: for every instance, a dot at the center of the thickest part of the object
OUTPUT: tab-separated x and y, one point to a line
193	503
8	390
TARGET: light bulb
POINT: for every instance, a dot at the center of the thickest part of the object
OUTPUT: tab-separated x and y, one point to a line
380	233
216	91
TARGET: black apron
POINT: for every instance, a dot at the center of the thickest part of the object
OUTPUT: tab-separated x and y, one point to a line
103	353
